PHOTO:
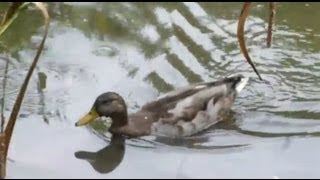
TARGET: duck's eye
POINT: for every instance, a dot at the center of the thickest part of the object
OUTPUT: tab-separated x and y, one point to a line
106	102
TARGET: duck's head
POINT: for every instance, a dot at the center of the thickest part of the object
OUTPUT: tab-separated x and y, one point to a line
238	82
108	104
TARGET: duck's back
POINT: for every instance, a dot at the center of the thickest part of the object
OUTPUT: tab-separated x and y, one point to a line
188	110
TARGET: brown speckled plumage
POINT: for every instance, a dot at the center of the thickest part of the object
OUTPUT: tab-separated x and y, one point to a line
182	112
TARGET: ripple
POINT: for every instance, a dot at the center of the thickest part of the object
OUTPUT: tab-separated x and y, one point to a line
193	43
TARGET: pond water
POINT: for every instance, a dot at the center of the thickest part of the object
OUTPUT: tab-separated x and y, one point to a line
142	50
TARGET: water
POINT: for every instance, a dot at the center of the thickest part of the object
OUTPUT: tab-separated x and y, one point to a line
142	50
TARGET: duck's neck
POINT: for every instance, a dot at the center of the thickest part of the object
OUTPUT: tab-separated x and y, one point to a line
119	119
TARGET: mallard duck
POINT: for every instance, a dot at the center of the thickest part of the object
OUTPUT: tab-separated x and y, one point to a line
179	113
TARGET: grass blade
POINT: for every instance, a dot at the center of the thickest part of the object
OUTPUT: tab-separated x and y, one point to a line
4	92
240	34
13	8
11	14
6	136
17	105
272	9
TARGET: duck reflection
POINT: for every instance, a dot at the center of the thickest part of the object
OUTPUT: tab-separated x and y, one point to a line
106	159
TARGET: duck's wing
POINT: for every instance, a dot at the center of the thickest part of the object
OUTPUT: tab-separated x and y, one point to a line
203	120
194	108
195	95
177	95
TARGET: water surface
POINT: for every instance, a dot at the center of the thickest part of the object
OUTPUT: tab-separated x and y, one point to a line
142	50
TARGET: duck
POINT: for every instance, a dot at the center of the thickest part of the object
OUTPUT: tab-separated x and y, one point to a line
182	112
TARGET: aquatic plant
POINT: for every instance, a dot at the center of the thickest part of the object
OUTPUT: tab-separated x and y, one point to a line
240	33
10	15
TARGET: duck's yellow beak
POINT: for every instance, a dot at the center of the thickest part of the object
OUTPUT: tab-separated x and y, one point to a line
92	115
